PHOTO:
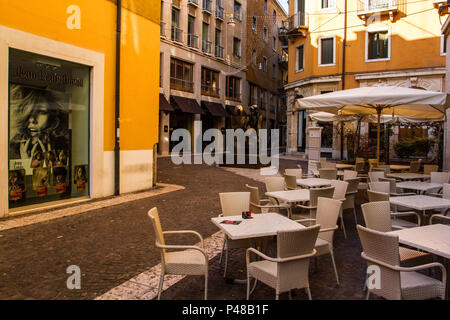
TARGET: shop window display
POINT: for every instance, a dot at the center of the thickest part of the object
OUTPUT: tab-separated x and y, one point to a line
48	129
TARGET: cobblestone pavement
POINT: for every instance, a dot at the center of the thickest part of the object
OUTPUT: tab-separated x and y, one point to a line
115	244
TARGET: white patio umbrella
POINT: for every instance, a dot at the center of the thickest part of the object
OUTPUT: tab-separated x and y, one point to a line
379	100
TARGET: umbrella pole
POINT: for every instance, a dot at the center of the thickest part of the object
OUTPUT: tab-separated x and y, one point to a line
378	135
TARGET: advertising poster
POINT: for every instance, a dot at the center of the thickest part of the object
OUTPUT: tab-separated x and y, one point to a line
60	178
40	181
80	177
16	184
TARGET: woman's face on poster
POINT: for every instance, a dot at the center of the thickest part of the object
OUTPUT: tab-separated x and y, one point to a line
38	120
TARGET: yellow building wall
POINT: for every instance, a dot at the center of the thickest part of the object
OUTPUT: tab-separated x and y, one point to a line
139	57
415	40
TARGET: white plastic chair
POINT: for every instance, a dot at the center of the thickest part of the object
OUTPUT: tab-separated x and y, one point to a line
375	175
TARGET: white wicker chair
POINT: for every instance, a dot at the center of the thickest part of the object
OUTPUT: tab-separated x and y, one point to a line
294	172
377	216
289	270
393	188
380	186
428	168
314	195
396	282
340	191
350	174
328	173
233	203
396	223
291	181
191	260
257	204
374	176
352	191
327	215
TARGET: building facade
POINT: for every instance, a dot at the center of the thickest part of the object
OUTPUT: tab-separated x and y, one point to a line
267	68
339	44
58	133
203	65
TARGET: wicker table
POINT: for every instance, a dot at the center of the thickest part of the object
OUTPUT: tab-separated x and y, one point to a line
421	202
290	197
343	166
396	167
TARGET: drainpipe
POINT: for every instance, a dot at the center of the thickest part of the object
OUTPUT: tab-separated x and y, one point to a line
344	44
117	101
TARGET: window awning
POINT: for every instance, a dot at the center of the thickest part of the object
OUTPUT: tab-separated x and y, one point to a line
164	104
215	109
187	105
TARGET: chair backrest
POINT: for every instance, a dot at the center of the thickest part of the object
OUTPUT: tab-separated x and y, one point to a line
350	174
359	159
446	191
352	185
377	215
294	172
439	177
428	168
340	189
328	173
375	175
234	203
291	181
392	184
323	161
275	184
382	167
377	196
326	216
297	242
384	248
329	165
414	166
314	194
159	236
380	186
360	166
254	198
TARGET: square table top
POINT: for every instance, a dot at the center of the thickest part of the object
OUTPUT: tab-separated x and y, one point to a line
290	196
418	185
314	182
399	167
420	202
434	238
408	176
262	225
344	166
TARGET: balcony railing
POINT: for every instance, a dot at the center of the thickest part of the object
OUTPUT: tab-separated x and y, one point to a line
237	15
177	34
218	52
193	2
181	84
220	13
374	6
192	41
300	19
163	29
233	96
207	4
206	46
210	90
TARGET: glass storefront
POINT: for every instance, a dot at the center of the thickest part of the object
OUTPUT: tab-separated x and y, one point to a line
48	129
